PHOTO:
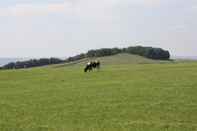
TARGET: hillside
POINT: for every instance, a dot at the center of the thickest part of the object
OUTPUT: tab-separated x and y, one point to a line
125	97
122	58
147	52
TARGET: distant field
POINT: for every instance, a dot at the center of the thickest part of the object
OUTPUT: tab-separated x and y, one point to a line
119	97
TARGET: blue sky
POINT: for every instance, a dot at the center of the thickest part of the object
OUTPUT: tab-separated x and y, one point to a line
32	28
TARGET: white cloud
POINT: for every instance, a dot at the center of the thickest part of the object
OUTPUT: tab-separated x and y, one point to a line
147	3
35	9
194	8
86	6
78	25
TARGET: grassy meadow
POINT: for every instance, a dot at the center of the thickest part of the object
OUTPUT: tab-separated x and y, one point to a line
119	97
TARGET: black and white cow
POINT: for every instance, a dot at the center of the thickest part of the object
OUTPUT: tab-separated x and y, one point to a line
92	65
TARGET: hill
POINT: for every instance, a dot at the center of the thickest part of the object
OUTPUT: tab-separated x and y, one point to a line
121	58
145	97
147	52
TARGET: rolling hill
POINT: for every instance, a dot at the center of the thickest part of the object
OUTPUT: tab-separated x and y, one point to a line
147	52
118	59
122	96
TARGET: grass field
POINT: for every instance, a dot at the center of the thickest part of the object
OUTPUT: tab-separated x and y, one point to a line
122	97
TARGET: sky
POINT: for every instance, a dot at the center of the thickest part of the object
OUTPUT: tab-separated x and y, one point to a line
62	28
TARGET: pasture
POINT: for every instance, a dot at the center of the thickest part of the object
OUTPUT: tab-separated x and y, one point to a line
121	97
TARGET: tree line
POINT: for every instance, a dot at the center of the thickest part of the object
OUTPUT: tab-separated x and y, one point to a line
32	63
148	52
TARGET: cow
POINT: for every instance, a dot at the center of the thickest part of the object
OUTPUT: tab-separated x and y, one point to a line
92	65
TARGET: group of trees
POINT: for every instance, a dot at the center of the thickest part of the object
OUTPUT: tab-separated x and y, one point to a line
148	52
103	52
32	63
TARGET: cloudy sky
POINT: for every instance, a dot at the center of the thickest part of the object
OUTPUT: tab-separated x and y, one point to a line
35	28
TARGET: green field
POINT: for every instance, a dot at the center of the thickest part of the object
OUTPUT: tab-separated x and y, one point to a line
124	96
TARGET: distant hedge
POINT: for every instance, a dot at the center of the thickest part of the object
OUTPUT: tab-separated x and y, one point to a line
32	63
148	52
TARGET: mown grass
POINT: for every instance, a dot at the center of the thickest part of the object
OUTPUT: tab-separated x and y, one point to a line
137	97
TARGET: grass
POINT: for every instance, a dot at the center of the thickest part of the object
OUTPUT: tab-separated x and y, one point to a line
123	97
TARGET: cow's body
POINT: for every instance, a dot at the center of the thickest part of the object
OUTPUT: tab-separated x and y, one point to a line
92	65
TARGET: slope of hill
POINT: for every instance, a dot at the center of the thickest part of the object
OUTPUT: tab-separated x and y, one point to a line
122	58
134	97
146	52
